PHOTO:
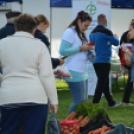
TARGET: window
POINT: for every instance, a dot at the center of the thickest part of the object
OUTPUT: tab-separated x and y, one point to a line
2	4
5	6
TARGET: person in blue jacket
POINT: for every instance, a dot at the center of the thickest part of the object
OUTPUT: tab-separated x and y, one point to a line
43	24
9	28
104	39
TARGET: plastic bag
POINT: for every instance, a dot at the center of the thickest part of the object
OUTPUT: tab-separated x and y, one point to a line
53	125
69	127
91	53
121	129
92	123
62	71
91	56
123	55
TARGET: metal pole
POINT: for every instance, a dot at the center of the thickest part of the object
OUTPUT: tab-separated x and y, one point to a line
21	6
50	27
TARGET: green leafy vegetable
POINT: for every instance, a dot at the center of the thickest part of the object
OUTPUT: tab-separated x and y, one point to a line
89	109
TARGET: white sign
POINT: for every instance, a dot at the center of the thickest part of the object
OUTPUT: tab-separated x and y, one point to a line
92	80
94	8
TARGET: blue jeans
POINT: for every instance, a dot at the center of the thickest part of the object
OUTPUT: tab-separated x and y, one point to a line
34	118
79	92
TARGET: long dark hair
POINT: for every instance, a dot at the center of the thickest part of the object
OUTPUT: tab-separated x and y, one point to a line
83	16
131	24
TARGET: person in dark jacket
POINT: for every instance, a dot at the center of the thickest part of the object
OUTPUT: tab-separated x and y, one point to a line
104	39
9	28
129	86
39	33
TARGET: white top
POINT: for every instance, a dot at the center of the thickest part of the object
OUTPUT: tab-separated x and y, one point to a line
27	71
78	61
126	44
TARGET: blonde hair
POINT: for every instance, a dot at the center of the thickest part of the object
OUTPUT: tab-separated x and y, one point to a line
42	18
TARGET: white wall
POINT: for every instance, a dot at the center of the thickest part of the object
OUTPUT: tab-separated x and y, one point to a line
35	7
15	6
2	18
120	20
61	18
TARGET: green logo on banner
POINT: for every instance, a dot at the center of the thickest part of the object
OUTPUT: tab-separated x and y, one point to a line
91	9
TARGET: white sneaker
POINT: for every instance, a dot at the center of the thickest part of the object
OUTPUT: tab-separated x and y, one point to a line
115	105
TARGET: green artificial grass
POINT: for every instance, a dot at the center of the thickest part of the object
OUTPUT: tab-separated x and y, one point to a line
117	115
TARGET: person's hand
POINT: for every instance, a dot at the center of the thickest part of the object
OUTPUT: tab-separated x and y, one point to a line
124	48
54	107
129	63
58	73
61	62
92	47
116	35
86	47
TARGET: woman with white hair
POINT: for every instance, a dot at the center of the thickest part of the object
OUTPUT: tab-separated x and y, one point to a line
28	82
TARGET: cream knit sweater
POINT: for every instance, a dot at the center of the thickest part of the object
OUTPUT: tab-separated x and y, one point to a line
27	71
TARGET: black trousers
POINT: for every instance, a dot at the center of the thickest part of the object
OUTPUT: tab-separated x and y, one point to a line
128	89
102	71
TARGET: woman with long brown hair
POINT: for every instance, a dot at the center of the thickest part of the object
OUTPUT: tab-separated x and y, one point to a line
74	44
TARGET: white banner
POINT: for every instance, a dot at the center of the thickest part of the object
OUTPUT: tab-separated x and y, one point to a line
94	8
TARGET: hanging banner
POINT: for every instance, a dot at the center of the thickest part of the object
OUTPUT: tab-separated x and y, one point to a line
122	2
94	8
11	0
60	3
